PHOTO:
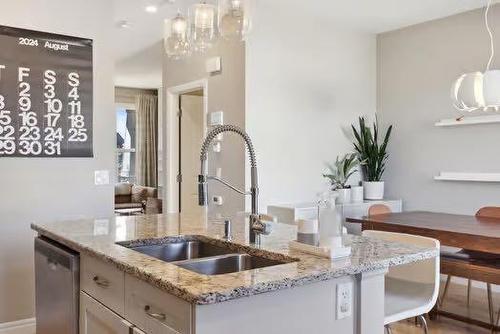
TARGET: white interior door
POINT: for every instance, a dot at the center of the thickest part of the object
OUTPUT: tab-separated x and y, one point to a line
191	138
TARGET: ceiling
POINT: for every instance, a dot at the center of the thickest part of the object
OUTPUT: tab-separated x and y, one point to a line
139	51
138	48
378	16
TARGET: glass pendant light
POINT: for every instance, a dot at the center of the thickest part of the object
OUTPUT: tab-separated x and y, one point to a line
467	92
479	91
202	20
235	18
176	37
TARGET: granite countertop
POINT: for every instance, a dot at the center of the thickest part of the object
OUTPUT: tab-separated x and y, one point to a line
98	238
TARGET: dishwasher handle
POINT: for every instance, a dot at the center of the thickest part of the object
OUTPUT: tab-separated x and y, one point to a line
56	255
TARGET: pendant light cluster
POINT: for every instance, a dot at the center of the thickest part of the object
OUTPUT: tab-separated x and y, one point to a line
479	91
205	22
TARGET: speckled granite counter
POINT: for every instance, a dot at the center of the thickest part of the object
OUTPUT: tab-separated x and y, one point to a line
99	237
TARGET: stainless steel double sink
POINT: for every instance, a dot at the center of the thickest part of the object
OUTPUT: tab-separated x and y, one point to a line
203	257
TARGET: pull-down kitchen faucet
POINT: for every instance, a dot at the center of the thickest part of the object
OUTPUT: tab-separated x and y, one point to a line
257	225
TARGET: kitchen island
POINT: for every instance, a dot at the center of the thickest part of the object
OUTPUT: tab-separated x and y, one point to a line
124	290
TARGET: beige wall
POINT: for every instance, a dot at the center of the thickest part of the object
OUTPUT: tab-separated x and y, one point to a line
416	68
51	189
226	92
306	79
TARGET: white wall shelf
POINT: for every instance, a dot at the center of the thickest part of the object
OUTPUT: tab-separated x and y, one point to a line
471	120
468	177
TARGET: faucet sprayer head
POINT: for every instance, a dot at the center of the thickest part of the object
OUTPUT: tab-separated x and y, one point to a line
202	190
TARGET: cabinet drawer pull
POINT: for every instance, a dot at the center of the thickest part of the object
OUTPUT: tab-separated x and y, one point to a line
157	316
103	283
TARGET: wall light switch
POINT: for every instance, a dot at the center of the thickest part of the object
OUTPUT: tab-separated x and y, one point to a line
213	65
216	118
344	300
218	172
101	177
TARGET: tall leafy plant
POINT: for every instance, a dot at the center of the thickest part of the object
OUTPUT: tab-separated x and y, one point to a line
372	153
341	171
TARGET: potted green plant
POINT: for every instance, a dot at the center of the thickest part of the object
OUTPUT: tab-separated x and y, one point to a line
339	174
373	157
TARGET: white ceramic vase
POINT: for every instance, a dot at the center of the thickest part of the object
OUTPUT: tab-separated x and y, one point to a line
357	194
344	196
374	190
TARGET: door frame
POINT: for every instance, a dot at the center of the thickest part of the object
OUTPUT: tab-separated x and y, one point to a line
128	106
171	195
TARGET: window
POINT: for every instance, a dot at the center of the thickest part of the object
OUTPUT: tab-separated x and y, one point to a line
125	143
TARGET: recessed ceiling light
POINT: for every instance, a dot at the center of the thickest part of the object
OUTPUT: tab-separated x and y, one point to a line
124	24
151	9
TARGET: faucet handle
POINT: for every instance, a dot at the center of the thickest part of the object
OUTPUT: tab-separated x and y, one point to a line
262	227
268	228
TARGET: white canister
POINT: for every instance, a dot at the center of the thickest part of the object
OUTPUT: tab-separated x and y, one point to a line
344	196
308	231
357	194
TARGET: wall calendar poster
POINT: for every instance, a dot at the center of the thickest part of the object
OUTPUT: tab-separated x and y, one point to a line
45	94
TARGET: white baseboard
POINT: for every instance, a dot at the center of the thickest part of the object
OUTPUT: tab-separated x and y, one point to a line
26	326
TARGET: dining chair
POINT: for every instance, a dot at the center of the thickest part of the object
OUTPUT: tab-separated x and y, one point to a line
466	255
378	209
411	290
489	212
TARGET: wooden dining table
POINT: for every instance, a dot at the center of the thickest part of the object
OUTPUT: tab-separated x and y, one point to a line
466	232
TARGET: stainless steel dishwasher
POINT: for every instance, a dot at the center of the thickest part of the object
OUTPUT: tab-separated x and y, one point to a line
57	271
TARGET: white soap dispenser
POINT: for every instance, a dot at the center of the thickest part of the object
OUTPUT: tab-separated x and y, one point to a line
330	226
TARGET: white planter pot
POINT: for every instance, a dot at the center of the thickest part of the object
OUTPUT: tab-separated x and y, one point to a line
357	194
374	190
344	196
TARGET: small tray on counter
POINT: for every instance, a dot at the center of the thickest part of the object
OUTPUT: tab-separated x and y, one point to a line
332	253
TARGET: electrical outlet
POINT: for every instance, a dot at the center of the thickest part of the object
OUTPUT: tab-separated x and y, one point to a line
344	300
101	177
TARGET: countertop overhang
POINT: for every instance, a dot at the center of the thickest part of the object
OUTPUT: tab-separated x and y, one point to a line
99	237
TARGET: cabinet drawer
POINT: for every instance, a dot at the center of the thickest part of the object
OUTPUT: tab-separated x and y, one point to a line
155	311
104	282
96	318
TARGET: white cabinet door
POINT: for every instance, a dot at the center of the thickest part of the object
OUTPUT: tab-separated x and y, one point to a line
95	318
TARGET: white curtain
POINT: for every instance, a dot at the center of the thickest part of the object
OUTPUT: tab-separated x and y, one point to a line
147	140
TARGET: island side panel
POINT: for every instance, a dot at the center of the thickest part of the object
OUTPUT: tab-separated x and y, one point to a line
370	302
306	309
